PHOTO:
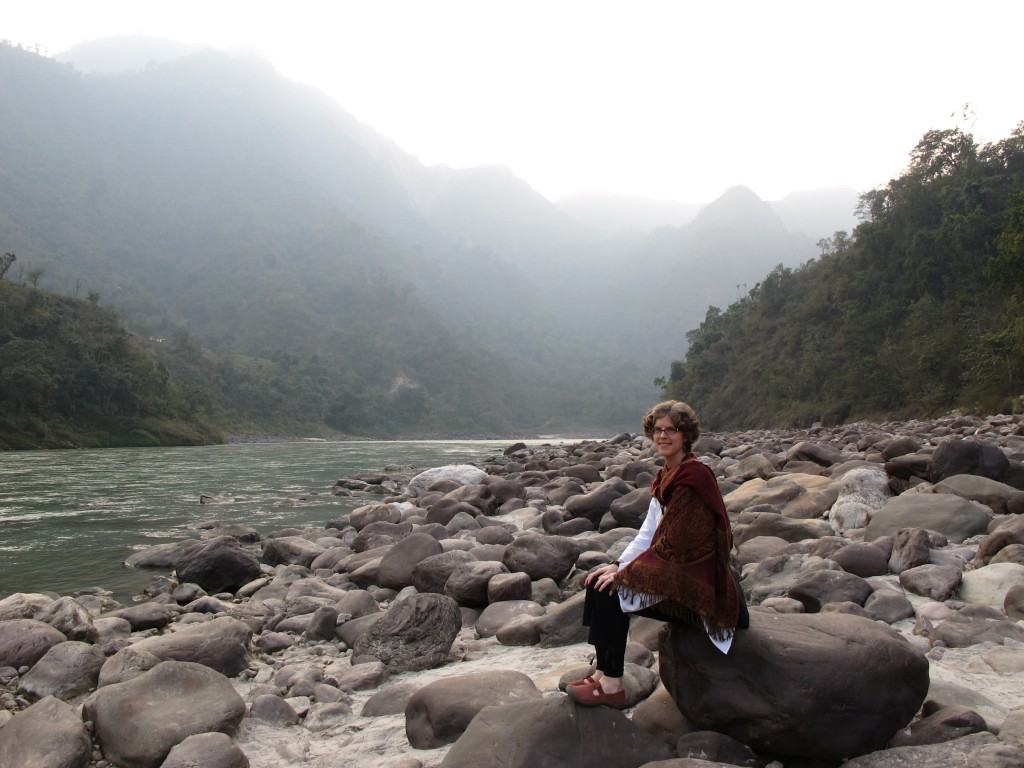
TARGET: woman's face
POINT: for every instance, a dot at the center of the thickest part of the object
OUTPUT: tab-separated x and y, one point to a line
669	441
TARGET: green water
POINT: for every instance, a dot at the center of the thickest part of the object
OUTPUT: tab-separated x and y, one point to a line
68	519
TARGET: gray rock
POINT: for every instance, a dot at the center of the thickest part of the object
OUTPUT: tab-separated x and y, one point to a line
980	750
439	712
818	588
70	618
497	615
751	524
509	586
23	642
415	633
273	709
937	582
389	701
218	565
290	550
630	510
775	690
966	457
221	644
553	733
594	504
143	616
431	573
468	583
206	750
993	494
711	747
888	606
862	560
65	671
955	518
395	570
542	556
911	548
940	726
138	722
563	623
49	734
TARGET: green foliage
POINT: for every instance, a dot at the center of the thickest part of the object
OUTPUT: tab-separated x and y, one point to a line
918	313
71	375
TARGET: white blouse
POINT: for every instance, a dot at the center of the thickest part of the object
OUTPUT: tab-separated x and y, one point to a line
641	542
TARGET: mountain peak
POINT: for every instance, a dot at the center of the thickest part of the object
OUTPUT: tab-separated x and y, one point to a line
737	204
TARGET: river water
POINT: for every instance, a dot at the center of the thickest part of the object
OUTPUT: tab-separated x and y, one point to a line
68	519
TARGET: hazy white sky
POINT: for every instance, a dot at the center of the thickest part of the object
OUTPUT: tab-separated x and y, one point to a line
663	98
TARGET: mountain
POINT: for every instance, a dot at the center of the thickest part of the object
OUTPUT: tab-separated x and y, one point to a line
612	213
307	272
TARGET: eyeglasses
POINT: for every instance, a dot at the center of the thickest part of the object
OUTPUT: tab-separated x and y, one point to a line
667	431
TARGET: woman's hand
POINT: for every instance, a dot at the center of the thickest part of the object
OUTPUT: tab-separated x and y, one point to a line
602	577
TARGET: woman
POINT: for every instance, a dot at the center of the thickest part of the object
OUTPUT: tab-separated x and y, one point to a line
677	567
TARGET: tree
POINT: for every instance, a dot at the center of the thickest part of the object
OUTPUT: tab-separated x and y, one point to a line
5	263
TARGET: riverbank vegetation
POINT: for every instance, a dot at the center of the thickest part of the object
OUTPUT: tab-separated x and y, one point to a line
72	376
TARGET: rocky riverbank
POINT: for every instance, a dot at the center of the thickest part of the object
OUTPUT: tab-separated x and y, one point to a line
436	624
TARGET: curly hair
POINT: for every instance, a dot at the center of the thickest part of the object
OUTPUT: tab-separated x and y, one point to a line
682	415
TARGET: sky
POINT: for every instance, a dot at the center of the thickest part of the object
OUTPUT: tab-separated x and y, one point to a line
665	99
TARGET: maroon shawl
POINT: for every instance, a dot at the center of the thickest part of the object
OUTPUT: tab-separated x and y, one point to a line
688	560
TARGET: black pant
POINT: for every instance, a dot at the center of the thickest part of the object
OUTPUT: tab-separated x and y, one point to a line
609	628
609	625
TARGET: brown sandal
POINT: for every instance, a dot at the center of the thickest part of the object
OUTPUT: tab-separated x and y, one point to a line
595	696
588	680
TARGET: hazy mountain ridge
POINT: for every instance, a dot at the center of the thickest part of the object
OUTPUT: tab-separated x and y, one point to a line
211	194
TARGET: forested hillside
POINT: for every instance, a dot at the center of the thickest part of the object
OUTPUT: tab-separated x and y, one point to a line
70	375
919	312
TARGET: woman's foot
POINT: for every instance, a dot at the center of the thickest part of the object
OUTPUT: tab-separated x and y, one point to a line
595	695
586	681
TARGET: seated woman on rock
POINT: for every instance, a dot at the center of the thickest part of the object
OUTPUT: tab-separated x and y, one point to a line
677	567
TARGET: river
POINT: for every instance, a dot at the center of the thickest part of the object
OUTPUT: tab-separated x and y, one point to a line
69	518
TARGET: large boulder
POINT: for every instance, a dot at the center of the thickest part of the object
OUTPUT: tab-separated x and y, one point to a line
828	686
752	523
815	589
139	721
955	518
993	494
861	491
23	642
221	644
431	573
66	670
396	567
290	550
989	585
70	618
462	474
468	583
977	750
594	504
630	510
553	733
966	457
49	734
415	633
206	750
219	565
541	556
439	712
